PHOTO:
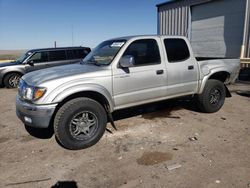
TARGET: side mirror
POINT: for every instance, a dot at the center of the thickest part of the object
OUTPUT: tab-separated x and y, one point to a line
30	62
127	61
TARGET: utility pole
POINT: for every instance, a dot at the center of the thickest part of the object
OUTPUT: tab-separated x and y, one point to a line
55	44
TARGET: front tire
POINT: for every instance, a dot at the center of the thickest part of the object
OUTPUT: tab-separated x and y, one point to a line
11	80
213	96
80	123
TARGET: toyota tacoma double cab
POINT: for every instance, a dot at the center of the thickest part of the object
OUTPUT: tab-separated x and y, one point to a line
78	100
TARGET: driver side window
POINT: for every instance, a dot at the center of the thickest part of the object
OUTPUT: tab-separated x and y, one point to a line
39	57
145	52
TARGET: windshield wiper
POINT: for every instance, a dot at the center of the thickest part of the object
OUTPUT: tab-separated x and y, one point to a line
91	62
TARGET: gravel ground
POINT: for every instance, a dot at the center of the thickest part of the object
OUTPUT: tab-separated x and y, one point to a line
149	140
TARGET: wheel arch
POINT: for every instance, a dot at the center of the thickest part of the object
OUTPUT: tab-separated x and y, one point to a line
100	98
222	76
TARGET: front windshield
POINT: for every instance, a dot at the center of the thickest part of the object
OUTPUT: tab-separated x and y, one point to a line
23	57
104	53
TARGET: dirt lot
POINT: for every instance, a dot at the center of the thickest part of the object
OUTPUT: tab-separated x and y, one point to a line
148	140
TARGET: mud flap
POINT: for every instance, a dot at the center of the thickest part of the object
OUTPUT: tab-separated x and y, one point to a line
228	94
110	117
112	120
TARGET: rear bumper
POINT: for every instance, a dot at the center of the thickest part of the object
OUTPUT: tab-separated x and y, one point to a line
37	116
234	75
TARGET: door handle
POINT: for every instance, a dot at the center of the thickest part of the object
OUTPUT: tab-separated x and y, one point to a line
159	72
190	67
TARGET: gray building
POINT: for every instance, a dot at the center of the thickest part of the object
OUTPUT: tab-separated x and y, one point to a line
216	28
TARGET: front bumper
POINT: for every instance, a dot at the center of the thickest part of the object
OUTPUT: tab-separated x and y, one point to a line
37	116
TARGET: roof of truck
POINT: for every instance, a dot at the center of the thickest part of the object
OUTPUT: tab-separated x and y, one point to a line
141	36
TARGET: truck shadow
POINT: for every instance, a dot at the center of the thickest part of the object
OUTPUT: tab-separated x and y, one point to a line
244	93
65	184
39	132
161	109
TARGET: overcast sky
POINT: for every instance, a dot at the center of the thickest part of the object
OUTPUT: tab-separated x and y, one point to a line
27	24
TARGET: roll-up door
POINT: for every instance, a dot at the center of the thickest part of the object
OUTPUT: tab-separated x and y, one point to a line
217	28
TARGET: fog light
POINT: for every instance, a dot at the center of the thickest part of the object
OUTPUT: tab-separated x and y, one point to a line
27	119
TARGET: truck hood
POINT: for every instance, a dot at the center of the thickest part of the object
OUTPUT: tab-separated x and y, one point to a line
55	73
12	63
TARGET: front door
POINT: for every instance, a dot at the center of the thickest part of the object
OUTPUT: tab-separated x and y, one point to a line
37	61
145	80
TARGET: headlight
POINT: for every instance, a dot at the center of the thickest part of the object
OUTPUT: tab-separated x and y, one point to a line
38	93
29	92
34	93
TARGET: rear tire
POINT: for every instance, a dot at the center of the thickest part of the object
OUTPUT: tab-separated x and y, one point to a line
213	96
11	80
80	123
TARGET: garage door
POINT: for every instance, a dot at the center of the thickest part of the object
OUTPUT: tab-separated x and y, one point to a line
217	28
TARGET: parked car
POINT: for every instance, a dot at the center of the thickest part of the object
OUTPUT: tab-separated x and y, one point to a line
11	72
78	100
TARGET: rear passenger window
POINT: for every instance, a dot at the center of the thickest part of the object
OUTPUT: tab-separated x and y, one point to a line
57	55
77	54
80	54
70	54
177	50
145	52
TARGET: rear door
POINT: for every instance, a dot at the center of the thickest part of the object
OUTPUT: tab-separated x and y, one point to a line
145	80
182	68
75	55
57	58
37	61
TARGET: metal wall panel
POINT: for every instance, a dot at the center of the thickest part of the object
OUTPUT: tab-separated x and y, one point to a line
174	18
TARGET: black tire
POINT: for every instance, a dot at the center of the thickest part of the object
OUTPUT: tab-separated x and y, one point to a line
212	97
72	123
11	80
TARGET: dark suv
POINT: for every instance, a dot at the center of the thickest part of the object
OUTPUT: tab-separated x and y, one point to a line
36	59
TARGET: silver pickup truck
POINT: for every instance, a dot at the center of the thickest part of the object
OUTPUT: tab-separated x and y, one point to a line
78	100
